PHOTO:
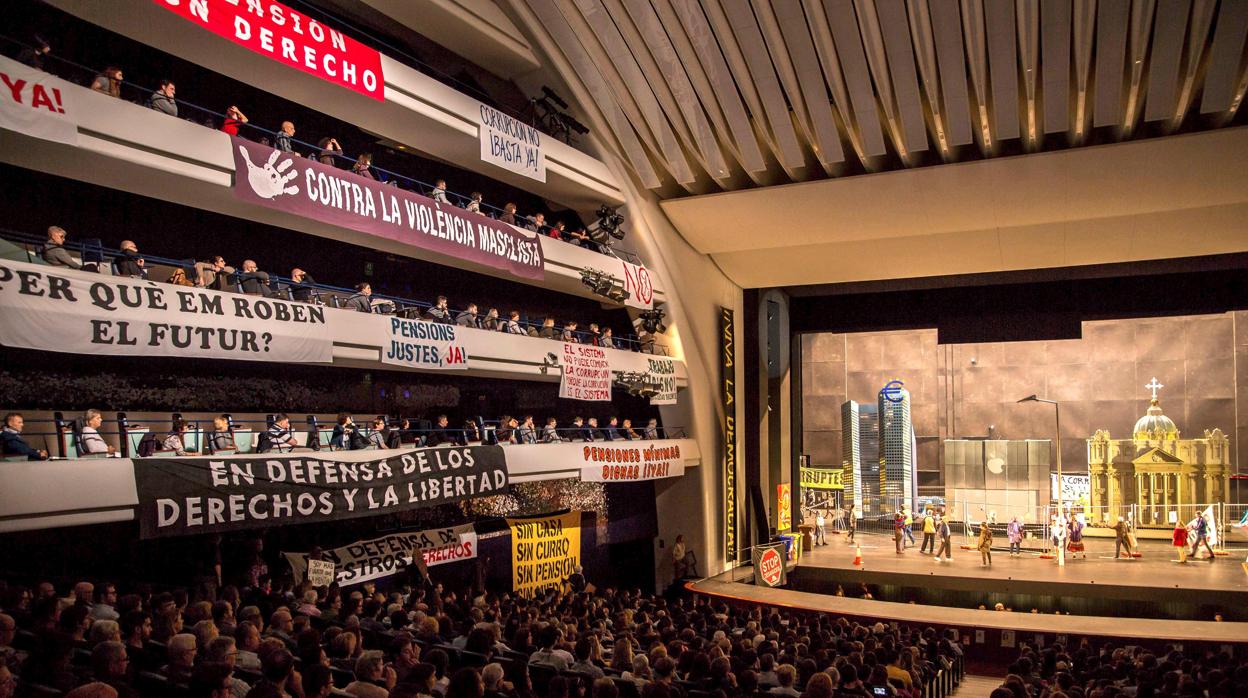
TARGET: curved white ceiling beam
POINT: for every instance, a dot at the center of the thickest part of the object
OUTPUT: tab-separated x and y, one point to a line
826	140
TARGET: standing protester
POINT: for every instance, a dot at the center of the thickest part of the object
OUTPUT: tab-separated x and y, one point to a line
1201	531
909	525
945	551
1179	540
1121	542
1075	546
929	532
1015	533
985	543
850	523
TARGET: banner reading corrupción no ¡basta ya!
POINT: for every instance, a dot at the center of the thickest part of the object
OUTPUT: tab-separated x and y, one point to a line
55	309
307	188
183	496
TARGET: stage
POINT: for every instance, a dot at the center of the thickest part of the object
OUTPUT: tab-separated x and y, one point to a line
1155	579
1152	600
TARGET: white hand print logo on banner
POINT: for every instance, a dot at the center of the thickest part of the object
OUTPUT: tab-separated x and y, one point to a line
269	182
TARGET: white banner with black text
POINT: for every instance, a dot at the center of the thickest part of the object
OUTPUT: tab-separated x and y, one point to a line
366	560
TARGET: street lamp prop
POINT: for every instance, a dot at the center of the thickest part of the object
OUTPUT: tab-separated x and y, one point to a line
1057	445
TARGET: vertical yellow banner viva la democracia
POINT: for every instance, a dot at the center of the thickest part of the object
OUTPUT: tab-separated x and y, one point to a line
544	551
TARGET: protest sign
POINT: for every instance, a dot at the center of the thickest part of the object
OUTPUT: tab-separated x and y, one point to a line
821	478
629	462
511	143
421	344
664	371
33	102
544	551
366	560
320	573
276	31
182	496
66	310
586	373
305	187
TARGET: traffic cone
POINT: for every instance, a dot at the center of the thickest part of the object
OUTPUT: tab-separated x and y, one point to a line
858	556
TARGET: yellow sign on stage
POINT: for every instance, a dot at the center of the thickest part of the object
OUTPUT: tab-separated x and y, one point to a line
821	479
544	551
784	505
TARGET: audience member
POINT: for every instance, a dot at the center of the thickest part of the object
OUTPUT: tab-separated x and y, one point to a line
234	118
130	263
54	252
280	436
330	151
108	82
162	100
175	441
439	192
550	433
509	214
33	55
474	203
569	332
212	274
282	141
251	280
440	312
91	442
13	443
302	287
513	325
468	318
364	166
361	300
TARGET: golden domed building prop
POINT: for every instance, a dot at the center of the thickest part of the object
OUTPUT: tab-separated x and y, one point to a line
1156	469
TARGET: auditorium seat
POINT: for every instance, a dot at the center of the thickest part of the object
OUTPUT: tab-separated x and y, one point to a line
626	687
38	690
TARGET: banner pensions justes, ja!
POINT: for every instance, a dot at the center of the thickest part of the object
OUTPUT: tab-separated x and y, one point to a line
289	37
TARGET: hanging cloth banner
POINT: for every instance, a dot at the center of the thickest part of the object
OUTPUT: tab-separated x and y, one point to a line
307	188
183	496
35	103
366	560
277	32
544	552
56	309
586	373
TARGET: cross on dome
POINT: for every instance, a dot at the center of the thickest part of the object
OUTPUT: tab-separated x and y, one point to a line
1154	386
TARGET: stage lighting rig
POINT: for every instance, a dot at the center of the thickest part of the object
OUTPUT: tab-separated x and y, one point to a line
639	384
651	321
606	230
603	284
550	116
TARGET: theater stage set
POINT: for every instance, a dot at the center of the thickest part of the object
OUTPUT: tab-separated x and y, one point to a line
1100	598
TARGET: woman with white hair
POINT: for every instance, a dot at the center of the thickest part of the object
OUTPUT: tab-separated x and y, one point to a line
91	442
640	674
104	631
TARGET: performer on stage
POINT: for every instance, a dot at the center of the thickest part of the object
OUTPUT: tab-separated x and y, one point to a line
985	543
1015	533
899	522
1121	530
1179	540
1201	533
929	532
1075	546
851	523
909	525
946	550
820	520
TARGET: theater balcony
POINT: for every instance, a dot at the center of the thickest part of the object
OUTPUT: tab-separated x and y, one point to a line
416	110
125	146
241	491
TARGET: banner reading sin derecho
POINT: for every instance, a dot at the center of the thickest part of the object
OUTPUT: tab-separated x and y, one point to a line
305	187
544	551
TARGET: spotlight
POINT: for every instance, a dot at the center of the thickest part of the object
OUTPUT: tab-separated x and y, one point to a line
550	116
651	321
603	284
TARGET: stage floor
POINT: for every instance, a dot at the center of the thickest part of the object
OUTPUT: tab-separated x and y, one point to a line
1153	578
1156	574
